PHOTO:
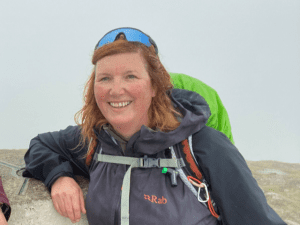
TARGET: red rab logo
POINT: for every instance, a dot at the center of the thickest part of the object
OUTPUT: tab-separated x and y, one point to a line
154	199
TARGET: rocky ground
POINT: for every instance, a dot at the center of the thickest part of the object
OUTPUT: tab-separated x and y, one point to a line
281	185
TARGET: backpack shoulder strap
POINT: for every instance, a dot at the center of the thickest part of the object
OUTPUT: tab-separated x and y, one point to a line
193	164
190	158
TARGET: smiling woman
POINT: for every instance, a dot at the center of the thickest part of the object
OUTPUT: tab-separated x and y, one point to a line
136	136
147	88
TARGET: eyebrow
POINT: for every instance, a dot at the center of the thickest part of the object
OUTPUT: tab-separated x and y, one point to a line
107	74
130	71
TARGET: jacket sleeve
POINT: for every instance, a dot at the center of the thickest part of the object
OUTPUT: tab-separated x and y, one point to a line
50	156
6	209
237	195
219	119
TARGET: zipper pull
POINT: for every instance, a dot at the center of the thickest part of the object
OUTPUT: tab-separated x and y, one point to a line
173	174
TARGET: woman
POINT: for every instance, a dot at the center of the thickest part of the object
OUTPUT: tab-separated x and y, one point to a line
5	209
132	117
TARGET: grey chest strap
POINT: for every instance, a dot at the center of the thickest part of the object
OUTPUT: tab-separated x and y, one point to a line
136	162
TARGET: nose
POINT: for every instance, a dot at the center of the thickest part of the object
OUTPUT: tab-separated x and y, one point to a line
117	88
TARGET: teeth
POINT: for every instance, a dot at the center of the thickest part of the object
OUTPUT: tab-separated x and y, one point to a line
119	105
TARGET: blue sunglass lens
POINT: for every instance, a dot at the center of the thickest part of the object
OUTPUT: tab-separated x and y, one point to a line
131	35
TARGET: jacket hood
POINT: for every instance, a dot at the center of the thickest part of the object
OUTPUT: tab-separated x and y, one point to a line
195	112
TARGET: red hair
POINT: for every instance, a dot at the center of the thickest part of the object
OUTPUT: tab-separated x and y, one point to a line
161	114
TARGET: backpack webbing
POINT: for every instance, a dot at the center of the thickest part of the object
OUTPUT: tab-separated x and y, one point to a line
192	163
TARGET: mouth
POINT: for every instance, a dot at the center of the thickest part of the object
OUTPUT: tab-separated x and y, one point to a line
119	104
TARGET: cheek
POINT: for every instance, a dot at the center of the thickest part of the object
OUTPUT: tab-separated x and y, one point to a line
99	94
145	90
144	96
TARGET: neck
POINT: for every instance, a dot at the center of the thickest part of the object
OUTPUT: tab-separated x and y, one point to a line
126	130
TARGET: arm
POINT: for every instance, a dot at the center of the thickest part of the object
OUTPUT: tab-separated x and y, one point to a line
219	119
235	191
2	218
50	156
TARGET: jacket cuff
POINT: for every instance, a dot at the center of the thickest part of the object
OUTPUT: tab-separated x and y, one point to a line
65	169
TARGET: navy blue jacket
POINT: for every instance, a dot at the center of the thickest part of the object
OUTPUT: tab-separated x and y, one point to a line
232	186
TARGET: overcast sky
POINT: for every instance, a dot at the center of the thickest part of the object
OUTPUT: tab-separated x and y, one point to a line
248	51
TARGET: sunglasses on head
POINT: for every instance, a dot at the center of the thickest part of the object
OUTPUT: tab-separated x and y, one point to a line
130	34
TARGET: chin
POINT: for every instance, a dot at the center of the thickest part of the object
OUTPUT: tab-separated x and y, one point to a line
121	123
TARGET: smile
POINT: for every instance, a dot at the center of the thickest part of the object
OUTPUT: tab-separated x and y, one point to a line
120	104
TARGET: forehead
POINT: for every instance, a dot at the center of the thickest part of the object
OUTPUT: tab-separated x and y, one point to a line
123	61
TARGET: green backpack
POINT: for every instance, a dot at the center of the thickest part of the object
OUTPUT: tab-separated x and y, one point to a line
219	118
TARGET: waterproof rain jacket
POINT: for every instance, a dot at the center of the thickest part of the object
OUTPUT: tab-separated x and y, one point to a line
152	198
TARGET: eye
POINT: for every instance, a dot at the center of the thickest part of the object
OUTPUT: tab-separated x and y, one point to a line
104	78
131	76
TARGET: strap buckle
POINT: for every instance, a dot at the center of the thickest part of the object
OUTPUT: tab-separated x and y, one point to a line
151	162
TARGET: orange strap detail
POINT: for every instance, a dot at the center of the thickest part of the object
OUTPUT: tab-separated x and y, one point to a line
190	159
190	179
211	208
